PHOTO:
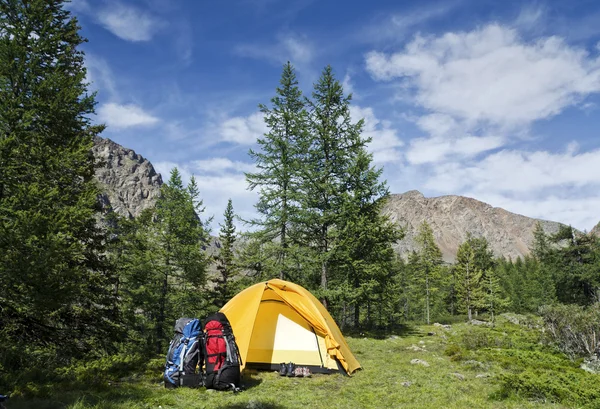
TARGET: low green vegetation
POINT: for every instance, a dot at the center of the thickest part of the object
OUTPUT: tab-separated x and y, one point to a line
460	366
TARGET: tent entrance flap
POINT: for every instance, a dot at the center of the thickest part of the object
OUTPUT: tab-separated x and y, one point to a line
281	335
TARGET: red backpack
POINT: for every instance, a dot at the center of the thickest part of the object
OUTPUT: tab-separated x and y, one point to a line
221	354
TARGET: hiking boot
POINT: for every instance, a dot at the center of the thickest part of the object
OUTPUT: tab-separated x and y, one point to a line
290	369
282	369
306	372
299	372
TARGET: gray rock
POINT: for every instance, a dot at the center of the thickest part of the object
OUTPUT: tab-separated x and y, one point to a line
591	365
452	218
474	364
458	376
437	324
406	384
483	375
416	348
477	322
419	362
128	180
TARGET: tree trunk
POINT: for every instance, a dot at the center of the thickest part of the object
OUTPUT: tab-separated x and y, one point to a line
324	282
161	315
427	298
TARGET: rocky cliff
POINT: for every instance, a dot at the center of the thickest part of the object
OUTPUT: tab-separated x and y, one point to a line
128	180
453	217
596	230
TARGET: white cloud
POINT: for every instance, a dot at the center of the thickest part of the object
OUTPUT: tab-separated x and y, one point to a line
395	27
436	149
128	22
490	75
220	165
125	116
530	16
100	76
294	48
243	130
524	173
385	140
78	6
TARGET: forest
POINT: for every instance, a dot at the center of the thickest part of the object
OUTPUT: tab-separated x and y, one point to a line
80	284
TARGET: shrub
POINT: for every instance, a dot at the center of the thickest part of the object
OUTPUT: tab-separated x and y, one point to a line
567	387
455	352
575	329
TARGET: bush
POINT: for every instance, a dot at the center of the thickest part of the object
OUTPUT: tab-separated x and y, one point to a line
575	329
567	387
455	352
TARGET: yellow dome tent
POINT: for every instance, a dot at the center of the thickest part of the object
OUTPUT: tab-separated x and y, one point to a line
279	321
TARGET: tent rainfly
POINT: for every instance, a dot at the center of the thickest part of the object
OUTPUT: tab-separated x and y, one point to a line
279	321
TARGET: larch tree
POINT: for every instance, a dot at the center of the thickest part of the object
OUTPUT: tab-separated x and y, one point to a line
468	279
428	265
333	145
276	177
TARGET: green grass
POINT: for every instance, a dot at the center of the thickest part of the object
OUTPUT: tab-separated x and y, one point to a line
511	356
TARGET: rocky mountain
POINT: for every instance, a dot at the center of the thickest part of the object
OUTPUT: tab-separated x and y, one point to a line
453	217
131	185
128	180
596	230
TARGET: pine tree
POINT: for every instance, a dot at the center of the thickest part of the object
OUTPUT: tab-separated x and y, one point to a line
226	263
277	174
55	284
468	278
428	266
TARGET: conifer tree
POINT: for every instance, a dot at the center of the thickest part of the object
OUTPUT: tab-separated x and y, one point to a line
166	257
492	298
226	264
55	286
276	177
468	278
428	265
334	145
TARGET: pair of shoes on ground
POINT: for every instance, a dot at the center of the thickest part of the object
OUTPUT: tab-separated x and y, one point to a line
290	370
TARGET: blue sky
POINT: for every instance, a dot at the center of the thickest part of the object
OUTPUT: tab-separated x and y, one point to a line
495	100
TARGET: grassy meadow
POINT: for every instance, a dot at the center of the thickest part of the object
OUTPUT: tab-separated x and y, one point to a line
508	366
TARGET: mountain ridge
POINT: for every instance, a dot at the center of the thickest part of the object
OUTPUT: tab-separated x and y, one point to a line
130	184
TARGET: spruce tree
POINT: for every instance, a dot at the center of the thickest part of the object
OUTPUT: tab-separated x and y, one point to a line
276	177
428	266
55	285
226	264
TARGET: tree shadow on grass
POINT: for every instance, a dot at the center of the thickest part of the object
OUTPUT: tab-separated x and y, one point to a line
254	405
402	330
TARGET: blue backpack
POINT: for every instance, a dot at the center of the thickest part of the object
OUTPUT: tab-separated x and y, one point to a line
185	352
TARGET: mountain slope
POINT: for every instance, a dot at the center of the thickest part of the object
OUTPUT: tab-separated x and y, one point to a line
128	180
453	217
